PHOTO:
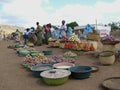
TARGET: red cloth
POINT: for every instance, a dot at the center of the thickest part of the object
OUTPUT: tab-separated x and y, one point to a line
47	29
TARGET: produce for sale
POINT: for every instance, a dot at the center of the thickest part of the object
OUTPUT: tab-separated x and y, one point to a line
51	39
60	58
91	47
69	54
74	37
108	38
31	61
41	59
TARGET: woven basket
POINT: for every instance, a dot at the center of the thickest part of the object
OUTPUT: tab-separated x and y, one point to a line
107	58
110	42
93	36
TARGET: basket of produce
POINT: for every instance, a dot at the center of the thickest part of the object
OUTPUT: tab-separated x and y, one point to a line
107	57
24	52
93	36
70	54
55	76
52	40
37	69
81	72
112	83
47	52
30	44
25	65
33	54
19	46
11	46
60	58
109	40
63	65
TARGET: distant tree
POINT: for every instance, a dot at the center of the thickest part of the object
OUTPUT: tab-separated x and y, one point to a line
114	25
72	24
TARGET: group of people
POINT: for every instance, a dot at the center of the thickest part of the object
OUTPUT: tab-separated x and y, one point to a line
36	35
41	34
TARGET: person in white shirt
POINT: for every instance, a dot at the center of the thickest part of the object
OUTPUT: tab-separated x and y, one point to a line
25	35
63	29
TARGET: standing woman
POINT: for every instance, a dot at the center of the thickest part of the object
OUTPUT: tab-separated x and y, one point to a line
39	34
47	32
63	29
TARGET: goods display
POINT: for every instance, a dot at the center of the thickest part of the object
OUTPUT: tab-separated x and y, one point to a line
81	72
107	57
47	52
51	39
54	44
70	54
32	61
33	54
30	44
55	76
109	40
63	65
11	46
60	58
74	37
41	59
37	69
93	36
24	52
19	46
112	83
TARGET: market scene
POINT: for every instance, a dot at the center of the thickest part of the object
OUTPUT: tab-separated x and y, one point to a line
81	56
59	45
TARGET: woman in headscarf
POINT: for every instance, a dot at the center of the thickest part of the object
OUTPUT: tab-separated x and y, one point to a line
63	29
47	32
39	34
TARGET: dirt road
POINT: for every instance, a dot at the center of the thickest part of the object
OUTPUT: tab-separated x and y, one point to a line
14	77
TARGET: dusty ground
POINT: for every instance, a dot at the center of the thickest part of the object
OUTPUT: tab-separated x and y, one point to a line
14	77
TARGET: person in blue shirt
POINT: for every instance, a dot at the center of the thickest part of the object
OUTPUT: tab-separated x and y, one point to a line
87	29
69	31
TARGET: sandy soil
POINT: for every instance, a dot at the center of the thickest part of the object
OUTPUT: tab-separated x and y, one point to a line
14	77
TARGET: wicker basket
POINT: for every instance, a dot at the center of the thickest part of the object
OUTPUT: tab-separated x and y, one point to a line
110	42
93	36
107	58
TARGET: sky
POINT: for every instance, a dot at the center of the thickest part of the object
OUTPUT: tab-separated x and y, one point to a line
27	12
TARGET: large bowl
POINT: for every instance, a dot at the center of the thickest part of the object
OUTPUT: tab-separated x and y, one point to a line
63	65
24	52
112	83
37	69
49	52
80	72
55	76
19	46
33	54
